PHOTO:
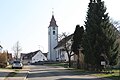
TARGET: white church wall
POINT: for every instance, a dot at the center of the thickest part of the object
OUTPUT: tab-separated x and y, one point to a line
62	55
52	42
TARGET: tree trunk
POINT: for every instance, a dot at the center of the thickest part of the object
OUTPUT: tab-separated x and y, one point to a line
78	61
69	64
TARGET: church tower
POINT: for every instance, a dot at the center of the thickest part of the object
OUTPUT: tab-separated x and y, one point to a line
52	39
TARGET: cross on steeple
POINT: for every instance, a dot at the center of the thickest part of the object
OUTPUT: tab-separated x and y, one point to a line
52	11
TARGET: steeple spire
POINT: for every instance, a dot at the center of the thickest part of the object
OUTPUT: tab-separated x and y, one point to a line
53	21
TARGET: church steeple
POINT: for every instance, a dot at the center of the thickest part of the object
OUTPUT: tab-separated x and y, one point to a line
52	39
53	22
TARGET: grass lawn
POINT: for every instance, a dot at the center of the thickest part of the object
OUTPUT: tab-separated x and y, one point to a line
114	76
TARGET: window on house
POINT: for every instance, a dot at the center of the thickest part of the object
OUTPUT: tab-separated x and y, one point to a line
53	32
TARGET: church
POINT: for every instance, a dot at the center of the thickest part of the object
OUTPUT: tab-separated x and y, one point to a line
56	50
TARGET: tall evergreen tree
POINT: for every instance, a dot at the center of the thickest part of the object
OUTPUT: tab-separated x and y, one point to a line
77	42
100	35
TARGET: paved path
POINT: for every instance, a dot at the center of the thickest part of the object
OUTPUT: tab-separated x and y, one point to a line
4	73
19	75
57	73
46	73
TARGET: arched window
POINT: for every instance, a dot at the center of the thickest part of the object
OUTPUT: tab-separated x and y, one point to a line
53	32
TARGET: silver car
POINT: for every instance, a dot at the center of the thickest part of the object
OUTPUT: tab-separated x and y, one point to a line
17	64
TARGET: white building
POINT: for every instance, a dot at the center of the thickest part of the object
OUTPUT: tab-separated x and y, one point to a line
60	48
52	39
39	56
33	57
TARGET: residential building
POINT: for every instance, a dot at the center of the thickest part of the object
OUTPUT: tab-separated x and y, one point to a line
33	57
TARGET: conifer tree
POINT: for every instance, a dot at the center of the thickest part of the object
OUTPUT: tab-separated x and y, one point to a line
100	35
77	42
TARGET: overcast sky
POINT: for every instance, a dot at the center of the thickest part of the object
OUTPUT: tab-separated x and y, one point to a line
27	21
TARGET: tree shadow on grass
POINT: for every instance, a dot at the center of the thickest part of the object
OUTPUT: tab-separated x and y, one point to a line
113	77
78	79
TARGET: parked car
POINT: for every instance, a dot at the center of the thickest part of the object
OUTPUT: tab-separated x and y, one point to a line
17	64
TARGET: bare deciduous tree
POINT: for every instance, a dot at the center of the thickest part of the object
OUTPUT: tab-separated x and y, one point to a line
67	45
17	48
115	23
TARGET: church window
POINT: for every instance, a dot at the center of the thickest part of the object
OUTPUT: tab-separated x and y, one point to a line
53	32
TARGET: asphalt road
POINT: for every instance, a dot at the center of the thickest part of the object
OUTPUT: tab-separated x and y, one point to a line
56	73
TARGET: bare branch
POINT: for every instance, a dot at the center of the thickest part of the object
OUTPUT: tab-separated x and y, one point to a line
115	23
17	48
